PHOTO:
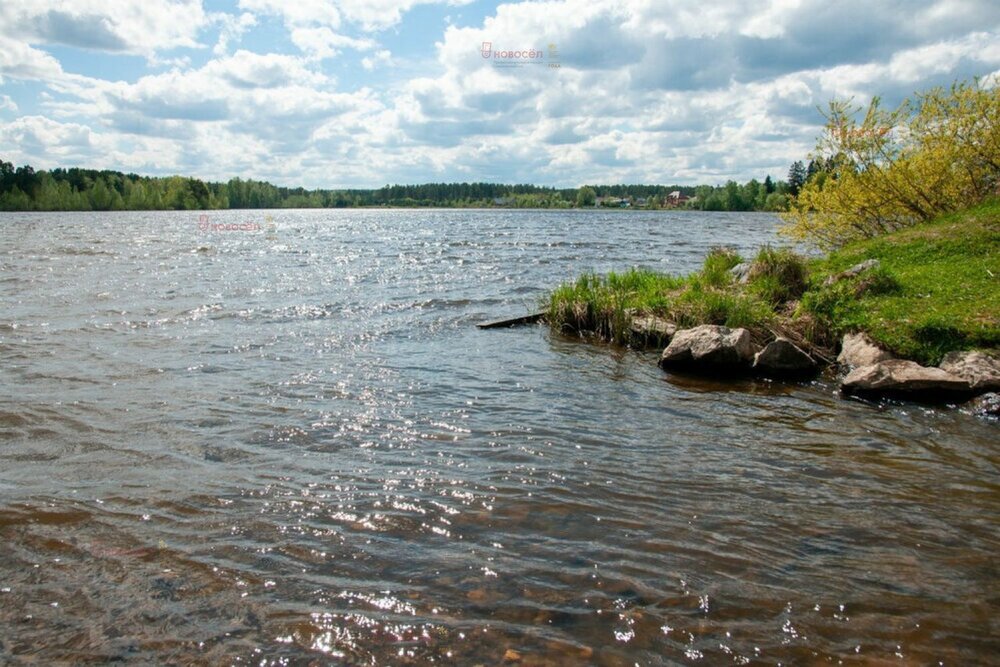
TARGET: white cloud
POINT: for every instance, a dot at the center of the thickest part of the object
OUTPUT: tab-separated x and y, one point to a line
231	29
648	90
382	14
21	61
43	141
299	13
238	113
320	43
658	89
369	14
131	26
7	103
245	69
380	58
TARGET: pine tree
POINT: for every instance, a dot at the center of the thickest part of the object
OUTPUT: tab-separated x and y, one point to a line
796	177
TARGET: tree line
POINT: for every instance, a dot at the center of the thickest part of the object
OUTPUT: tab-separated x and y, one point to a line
75	189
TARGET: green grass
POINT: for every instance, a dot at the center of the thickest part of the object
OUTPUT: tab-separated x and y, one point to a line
937	289
778	275
715	271
603	306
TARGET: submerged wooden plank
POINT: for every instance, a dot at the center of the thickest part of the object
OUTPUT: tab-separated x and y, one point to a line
514	321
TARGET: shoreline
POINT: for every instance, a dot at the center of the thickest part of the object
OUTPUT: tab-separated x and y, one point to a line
912	315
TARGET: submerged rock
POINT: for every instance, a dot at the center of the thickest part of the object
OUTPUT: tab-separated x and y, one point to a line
855	270
858	350
987	406
980	369
781	358
652	331
709	348
905	379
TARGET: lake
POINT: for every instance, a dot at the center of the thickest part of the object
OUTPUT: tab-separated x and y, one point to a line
278	437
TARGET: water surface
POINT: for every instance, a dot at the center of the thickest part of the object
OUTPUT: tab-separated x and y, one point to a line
291	444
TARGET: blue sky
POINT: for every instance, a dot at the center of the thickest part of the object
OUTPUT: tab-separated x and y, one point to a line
360	93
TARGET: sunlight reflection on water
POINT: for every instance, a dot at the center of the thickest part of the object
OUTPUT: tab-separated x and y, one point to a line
295	445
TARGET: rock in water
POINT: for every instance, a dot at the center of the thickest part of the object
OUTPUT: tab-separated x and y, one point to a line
858	350
905	379
980	369
986	406
652	331
782	358
709	348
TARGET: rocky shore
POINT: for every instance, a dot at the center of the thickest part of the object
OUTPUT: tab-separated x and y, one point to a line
913	314
863	369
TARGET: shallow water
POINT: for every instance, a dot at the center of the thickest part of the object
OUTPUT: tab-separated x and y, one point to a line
292	445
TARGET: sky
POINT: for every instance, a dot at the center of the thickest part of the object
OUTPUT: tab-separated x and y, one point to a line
363	93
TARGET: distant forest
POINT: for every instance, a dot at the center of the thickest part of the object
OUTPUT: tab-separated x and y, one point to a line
27	189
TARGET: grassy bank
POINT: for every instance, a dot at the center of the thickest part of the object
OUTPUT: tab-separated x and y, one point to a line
936	289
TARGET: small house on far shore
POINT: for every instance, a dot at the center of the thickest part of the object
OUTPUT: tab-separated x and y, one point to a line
676	198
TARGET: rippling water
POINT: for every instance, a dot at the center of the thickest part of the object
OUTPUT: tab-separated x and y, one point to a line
292	445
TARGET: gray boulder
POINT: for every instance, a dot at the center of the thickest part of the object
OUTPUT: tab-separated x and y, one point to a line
905	379
741	273
858	350
709	348
651	331
980	369
855	270
781	357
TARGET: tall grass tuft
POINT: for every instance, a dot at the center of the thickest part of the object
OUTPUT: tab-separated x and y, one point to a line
778	275
700	305
718	262
603	306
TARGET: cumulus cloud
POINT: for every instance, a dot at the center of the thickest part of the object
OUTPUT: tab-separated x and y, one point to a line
646	90
315	26
246	69
231	29
382	14
380	58
673	92
34	136
319	43
369	14
301	13
131	26
22	61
